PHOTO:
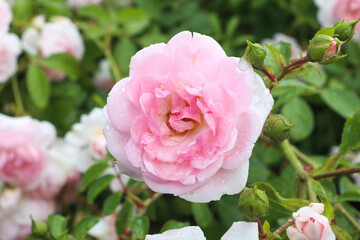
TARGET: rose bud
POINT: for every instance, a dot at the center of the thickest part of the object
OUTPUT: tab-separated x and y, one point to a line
277	127
253	202
255	54
310	224
323	49
345	30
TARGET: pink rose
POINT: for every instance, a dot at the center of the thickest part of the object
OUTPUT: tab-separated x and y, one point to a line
82	3
23	151
331	11
187	118
16	225
10	49
5	16
310	224
239	230
58	36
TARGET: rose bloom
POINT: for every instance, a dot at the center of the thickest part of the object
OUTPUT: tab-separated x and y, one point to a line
10	49
82	3
186	119
310	224
58	36
5	16
279	37
15	224
23	153
239	230
88	136
331	11
103	78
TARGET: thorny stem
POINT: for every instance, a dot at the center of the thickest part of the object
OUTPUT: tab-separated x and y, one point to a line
299	169
261	230
348	216
285	70
338	172
288	223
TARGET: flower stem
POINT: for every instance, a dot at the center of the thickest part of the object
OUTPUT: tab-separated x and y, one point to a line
17	96
289	222
299	169
338	172
291	66
305	159
348	216
271	76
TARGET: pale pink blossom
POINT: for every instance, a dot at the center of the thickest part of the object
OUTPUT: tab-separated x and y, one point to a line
239	230
60	167
310	224
82	3
10	49
88	136
16	224
9	199
279	37
186	119
23	149
331	11
58	36
103	78
105	228
5	16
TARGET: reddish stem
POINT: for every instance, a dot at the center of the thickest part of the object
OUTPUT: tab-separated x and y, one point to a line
261	230
271	76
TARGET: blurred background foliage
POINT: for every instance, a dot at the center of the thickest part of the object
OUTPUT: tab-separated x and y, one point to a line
318	104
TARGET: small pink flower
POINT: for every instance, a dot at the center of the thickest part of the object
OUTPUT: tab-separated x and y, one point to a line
310	224
16	225
103	78
331	11
5	16
58	36
23	151
186	119
82	3
10	49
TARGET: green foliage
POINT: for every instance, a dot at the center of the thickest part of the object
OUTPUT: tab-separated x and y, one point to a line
58	226
140	226
111	202
98	186
63	62
92	174
350	138
202	214
83	227
38	86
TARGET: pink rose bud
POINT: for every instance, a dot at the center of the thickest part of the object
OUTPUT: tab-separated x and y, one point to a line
5	16
23	155
310	224
323	49
186	119
331	11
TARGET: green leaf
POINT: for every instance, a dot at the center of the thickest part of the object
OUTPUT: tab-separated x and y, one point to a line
38	86
352	196
23	9
343	101
98	186
266	228
112	202
84	226
123	51
327	31
92	174
57	225
63	62
285	50
124	217
202	214
320	192
38	228
340	233
95	12
350	139
135	20
231	26
299	113
347	186
278	57
172	224
140	226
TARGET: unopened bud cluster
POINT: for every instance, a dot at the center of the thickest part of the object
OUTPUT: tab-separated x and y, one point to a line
253	202
327	43
277	127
